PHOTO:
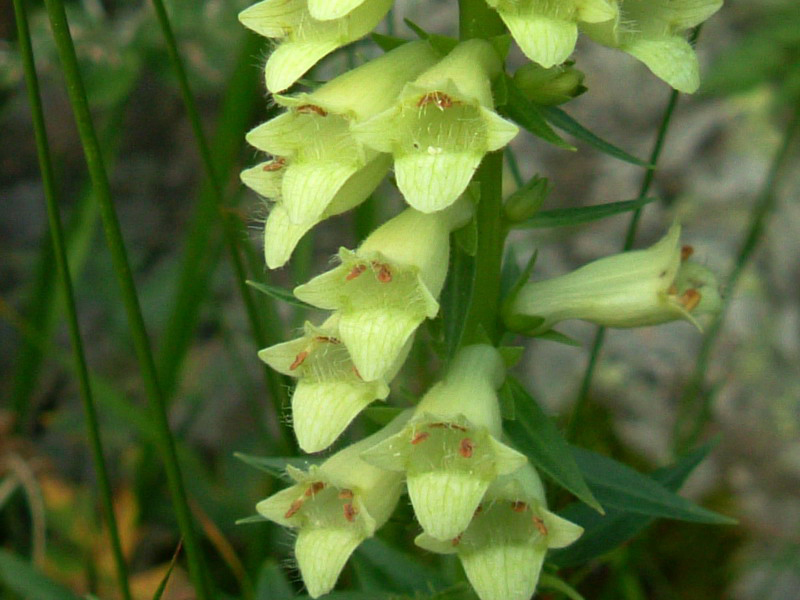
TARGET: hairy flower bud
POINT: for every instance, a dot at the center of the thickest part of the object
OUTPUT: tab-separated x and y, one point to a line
335	507
386	288
441	126
653	32
304	39
632	289
450	449
330	391
503	548
549	87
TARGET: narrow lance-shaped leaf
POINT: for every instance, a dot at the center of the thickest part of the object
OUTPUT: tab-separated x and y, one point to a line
562	217
278	293
535	434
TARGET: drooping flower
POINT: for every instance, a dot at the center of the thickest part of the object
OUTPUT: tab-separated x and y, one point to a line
335	507
503	548
330	391
450	450
441	126
653	31
631	289
546	30
388	286
304	39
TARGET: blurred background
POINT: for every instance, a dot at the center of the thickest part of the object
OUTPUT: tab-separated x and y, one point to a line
648	396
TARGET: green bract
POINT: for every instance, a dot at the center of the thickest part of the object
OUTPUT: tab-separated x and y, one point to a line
302	39
441	125
503	548
546	30
632	289
330	391
386	288
335	507
450	449
653	32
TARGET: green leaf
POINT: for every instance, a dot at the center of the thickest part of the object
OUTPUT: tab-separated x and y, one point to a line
512	270
604	533
552	582
564	122
387	42
381	415
561	217
398	571
528	115
535	434
21	577
273	583
278	293
275	465
556	336
251	519
618	486
506	397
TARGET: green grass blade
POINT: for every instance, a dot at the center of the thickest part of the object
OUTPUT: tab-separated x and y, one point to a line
630	237
693	415
116	246
230	231
60	254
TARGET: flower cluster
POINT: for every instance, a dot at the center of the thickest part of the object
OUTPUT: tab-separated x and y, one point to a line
426	111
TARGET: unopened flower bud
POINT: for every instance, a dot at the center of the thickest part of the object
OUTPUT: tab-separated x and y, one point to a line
450	450
503	548
388	286
549	87
527	200
632	289
335	507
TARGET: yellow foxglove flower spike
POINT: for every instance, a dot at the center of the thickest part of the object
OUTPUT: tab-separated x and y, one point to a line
632	289
546	30
441	125
304	40
330	391
335	507
503	548
388	286
450	450
653	31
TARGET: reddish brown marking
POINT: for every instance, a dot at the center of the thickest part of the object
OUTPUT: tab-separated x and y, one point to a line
456	540
466	447
357	374
312	108
295	506
440	99
357	270
420	437
314	488
518	506
274	165
384	274
539	525
327	339
673	290
447	425
478	511
350	512
298	360
346	494
690	299
686	252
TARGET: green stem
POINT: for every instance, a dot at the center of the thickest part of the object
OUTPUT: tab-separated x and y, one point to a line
691	419
60	255
116	246
229	229
630	237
